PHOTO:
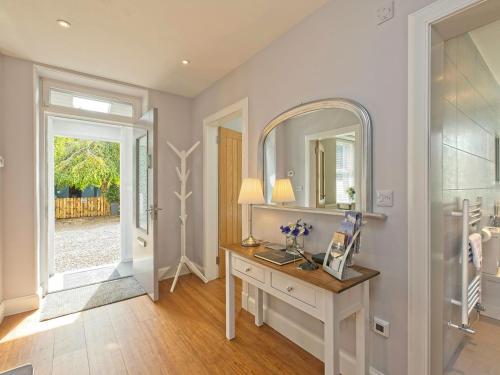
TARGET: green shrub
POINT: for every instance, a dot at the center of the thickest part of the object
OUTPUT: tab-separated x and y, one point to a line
113	194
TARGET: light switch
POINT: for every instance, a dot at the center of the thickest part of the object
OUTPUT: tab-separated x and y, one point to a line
385	198
2	163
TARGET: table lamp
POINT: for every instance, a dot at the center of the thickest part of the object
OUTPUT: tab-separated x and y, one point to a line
283	191
250	193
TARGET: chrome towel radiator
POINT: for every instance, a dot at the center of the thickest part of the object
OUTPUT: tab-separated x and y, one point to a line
471	291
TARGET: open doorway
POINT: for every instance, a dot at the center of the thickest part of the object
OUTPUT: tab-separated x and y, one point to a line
98	148
465	102
88	241
225	165
454	101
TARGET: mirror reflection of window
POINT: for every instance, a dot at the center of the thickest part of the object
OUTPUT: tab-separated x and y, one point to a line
344	170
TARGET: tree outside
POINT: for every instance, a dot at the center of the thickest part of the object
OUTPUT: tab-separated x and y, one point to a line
82	163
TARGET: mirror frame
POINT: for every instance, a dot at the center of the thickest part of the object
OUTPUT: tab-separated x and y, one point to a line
366	129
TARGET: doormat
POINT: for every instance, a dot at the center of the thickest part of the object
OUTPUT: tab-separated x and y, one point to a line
88	297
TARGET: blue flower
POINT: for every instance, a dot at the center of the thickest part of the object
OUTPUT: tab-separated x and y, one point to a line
296	229
285	230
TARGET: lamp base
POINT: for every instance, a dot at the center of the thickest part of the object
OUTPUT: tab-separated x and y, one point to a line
250	242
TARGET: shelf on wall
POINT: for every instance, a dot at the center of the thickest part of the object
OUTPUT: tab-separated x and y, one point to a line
322	211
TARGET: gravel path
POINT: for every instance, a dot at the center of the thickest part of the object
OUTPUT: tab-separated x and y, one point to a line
86	242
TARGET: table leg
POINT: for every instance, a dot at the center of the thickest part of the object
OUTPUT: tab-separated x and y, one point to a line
230	330
362	331
331	336
259	307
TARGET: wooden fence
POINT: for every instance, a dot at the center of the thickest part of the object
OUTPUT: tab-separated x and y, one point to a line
82	207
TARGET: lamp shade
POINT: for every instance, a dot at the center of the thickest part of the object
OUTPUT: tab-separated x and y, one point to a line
283	191
251	192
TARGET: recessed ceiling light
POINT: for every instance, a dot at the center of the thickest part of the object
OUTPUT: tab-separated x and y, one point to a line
63	23
185	62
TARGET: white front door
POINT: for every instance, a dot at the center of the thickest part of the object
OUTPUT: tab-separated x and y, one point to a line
145	203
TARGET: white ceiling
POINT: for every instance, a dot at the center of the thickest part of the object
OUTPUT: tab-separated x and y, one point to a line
143	41
486	39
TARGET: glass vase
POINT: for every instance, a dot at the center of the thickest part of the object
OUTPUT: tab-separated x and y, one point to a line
295	245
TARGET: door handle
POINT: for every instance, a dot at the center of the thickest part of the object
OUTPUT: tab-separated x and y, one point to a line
153	211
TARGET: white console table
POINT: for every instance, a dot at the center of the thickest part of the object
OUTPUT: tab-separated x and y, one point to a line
314	292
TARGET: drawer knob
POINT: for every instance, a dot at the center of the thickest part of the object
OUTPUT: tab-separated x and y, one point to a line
248	269
289	288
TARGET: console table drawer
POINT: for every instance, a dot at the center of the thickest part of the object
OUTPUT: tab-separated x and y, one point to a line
249	269
295	289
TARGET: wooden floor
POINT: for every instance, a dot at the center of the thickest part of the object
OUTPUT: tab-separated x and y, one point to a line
183	333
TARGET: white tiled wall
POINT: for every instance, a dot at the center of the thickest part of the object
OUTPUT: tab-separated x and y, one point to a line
470	122
469	116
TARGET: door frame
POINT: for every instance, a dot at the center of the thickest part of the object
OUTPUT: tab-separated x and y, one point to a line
45	77
211	182
419	210
44	226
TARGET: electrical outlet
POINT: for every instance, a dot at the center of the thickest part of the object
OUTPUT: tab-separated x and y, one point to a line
385	12
385	198
381	326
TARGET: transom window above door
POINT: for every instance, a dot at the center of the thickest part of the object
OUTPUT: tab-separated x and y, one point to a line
75	100
88	103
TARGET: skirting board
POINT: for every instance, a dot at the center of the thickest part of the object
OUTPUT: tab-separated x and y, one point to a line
303	338
491	311
22	304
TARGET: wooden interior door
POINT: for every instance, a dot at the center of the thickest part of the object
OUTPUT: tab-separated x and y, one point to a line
229	189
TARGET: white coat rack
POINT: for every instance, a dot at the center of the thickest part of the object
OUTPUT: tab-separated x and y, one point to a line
183	175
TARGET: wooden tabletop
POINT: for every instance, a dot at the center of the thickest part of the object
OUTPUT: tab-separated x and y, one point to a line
318	277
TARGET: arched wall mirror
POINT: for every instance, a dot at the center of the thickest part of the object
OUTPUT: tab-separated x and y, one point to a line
318	156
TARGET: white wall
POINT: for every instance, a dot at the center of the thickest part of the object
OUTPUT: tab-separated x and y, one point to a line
17	145
18	193
174	113
339	51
